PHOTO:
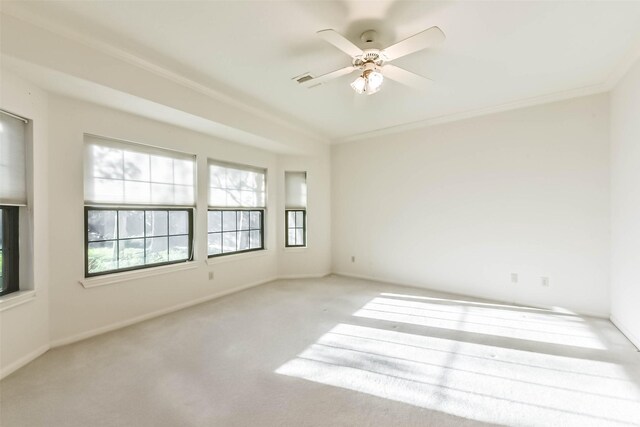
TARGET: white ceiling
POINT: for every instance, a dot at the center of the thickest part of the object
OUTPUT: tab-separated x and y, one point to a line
496	52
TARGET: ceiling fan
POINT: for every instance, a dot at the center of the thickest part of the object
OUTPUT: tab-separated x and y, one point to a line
373	64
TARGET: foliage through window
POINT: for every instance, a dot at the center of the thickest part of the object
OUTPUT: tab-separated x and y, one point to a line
296	227
295	209
13	197
139	203
237	203
233	231
128	239
9	250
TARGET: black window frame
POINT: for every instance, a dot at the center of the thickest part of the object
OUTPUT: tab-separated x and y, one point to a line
10	249
237	230
190	214
303	228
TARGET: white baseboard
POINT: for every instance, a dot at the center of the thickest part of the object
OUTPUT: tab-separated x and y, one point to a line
23	361
304	276
137	319
625	331
413	285
134	320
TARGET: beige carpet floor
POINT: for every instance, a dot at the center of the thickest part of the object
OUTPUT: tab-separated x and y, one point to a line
337	352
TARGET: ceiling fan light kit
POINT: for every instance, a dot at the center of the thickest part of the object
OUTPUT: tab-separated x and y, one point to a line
370	81
374	63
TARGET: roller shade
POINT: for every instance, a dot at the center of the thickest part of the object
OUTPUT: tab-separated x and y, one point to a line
295	190
232	186
125	173
13	165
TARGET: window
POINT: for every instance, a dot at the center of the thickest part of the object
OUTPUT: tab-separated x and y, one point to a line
128	239
295	209
9	254
296	235
237	200
13	197
139	204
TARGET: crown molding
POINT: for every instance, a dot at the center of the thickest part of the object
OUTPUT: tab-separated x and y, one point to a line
623	66
615	75
135	60
468	114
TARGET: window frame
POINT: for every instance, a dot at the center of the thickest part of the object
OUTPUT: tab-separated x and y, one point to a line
237	209
87	208
10	235
287	228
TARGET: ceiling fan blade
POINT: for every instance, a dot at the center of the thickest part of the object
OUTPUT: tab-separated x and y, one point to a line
427	38
326	77
405	77
339	41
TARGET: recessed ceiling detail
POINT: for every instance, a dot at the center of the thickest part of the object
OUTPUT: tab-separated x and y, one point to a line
497	54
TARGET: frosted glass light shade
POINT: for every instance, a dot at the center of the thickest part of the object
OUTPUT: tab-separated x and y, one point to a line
359	84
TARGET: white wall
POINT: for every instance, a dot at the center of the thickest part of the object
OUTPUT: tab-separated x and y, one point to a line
458	207
77	312
315	259
24	328
625	204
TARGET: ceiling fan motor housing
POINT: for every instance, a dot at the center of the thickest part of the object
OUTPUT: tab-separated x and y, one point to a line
369	56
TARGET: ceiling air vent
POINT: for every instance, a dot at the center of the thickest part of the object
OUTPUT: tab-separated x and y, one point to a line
303	78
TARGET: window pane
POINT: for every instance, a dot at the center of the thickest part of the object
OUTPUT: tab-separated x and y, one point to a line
157	223
128	246
1	254
215	221
299	236
131	253
157	250
178	248
101	225
300	219
102	256
130	224
243	240
229	242
178	222
256	222
291	219
243	220
228	220
291	236
214	243
255	240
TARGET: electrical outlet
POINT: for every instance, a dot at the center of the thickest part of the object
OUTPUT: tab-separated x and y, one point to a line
353	258
514	277
544	281
211	275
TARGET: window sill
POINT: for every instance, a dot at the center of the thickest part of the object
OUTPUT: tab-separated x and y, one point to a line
110	279
294	249
16	298
237	257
